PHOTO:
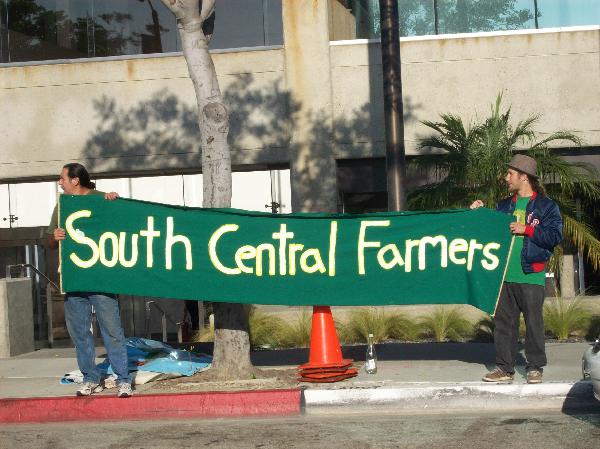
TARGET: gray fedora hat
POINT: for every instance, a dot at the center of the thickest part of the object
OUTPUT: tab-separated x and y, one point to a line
524	164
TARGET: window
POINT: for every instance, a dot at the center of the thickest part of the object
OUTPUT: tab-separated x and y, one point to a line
39	30
425	17
133	27
565	13
471	16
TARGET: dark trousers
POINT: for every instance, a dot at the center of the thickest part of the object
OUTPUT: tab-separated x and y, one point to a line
514	300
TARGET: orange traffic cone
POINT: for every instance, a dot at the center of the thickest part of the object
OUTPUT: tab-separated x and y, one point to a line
325	360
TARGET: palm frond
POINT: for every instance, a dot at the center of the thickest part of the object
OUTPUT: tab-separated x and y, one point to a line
581	235
473	165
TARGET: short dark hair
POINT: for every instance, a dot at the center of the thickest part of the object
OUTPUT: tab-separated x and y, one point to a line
76	170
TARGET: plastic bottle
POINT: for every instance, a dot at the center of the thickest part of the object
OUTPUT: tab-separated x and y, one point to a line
371	361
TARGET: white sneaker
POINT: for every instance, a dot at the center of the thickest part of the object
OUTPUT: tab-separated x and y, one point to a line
89	388
124	391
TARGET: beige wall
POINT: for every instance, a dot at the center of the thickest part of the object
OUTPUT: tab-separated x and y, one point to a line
556	74
51	113
134	115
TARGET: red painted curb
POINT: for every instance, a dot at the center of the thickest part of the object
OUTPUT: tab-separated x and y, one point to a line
151	406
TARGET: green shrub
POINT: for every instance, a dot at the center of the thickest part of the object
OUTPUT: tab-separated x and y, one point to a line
297	333
265	330
522	327
593	331
484	329
375	320
207	333
362	322
404	328
564	318
446	324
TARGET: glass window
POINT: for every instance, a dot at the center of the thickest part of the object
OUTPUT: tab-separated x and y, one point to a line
39	30
273	23
133	27
425	17
366	13
3	32
564	13
247	23
470	16
416	17
47	29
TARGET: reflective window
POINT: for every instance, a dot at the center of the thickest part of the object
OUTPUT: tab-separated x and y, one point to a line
3	32
416	17
247	23
423	17
37	30
470	16
133	27
47	29
561	13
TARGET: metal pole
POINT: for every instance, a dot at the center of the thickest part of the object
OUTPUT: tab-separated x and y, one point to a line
49	314
535	13
436	17
393	107
580	266
148	331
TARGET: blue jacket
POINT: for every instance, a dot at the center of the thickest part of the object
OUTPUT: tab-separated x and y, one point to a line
543	230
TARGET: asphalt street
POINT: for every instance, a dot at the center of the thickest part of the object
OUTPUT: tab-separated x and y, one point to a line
372	431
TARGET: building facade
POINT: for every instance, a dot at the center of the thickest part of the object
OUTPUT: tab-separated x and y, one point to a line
103	82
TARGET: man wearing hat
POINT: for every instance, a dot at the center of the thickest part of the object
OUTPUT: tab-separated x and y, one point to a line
537	230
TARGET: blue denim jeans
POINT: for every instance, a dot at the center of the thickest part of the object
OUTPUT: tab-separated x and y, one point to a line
78	314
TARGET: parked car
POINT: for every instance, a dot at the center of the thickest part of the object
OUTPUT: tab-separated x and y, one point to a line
591	367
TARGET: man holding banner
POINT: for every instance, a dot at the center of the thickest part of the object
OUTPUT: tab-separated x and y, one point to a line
75	180
537	230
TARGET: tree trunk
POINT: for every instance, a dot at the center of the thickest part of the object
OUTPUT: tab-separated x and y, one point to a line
195	18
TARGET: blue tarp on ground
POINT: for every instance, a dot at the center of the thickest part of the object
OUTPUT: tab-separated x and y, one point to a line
155	356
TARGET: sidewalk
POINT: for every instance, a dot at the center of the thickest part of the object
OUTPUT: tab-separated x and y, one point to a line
411	376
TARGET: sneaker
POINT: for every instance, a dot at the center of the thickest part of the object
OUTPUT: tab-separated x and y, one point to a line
124	391
534	376
89	388
498	375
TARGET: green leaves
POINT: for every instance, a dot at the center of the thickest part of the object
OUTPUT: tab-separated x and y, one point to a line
446	324
469	162
375	320
563	318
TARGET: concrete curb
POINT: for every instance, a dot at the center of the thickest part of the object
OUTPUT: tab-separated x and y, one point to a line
152	406
464	396
410	397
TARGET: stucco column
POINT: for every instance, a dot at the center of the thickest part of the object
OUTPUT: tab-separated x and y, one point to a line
308	79
16	317
567	276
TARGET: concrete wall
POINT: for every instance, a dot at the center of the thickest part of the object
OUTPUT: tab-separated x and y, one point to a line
16	312
553	73
137	115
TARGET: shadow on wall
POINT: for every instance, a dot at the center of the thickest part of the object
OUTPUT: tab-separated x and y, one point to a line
161	134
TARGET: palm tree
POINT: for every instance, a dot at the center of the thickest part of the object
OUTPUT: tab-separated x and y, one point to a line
469	162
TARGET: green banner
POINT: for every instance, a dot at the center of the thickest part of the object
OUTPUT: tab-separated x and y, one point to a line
148	249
